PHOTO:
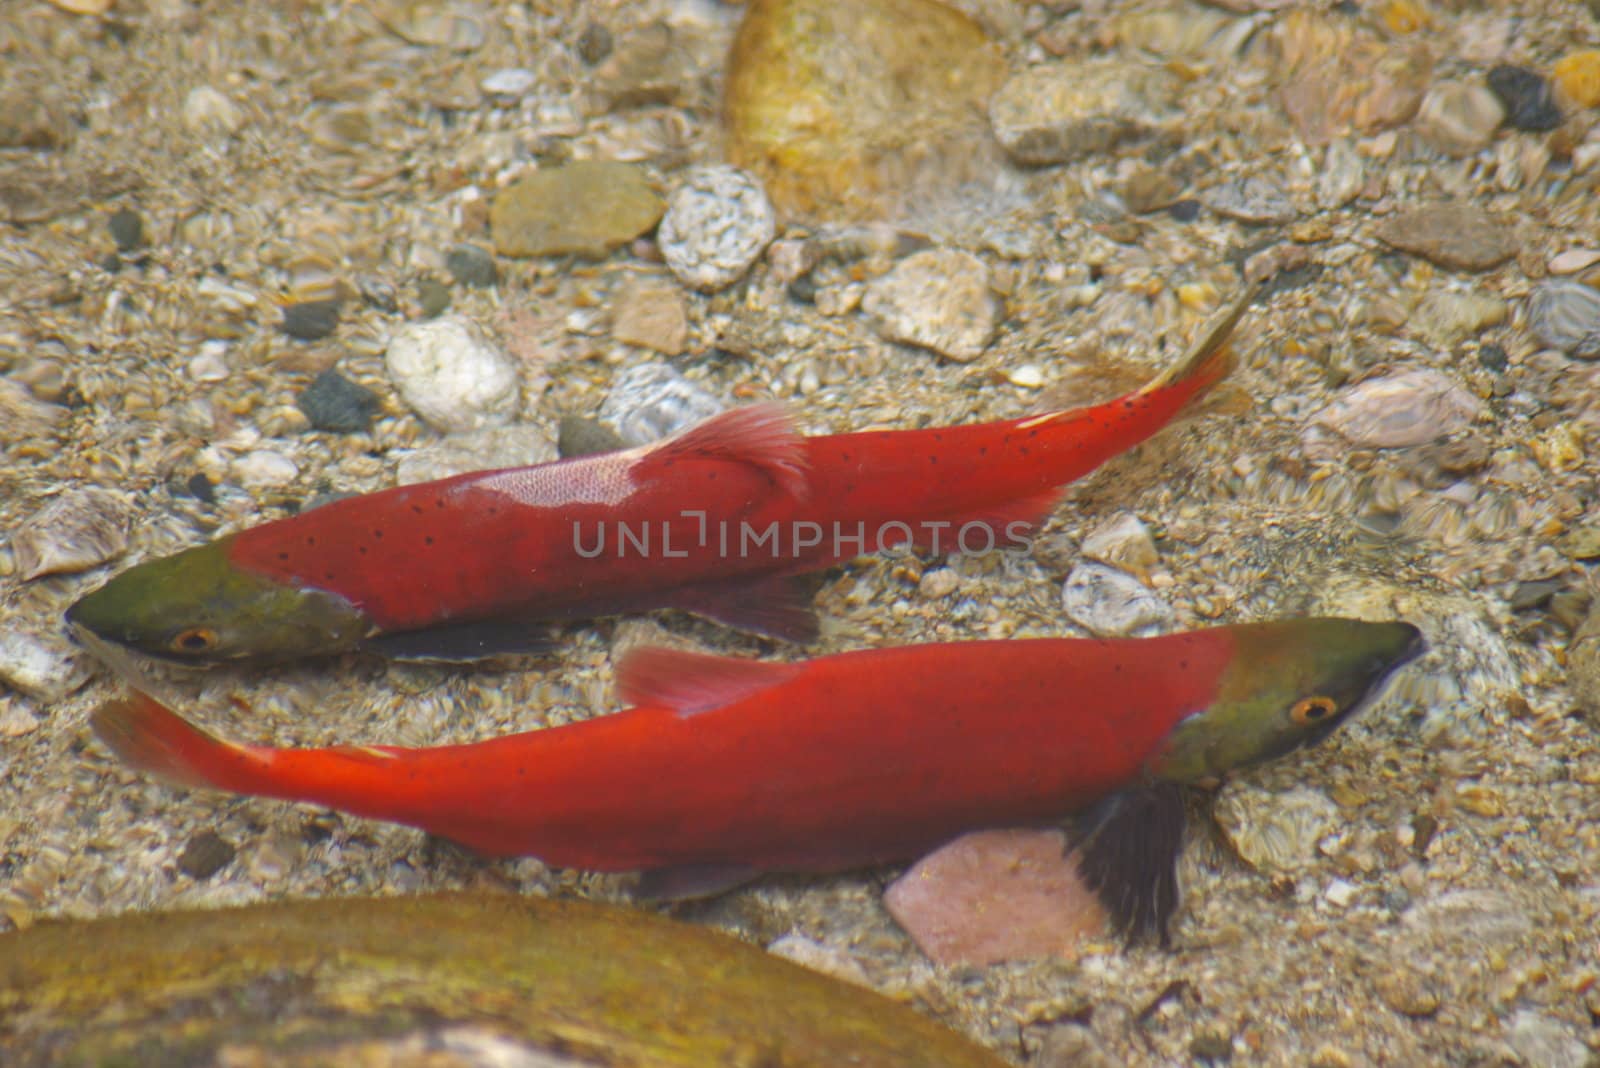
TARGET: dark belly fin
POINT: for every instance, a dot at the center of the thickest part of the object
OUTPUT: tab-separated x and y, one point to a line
1127	847
777	606
462	643
688	881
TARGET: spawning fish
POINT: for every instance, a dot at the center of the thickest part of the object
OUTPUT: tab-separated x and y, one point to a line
714	521
726	768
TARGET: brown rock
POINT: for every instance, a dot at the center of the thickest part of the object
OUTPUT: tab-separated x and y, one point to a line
993	896
1452	234
586	208
650	313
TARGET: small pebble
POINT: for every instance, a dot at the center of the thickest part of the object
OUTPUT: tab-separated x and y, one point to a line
1445	318
1275	832
594	43
1060	112
519	445
1577	79
1526	96
201	488
938	299
1028	376
433	297
509	84
1493	357
938	583
1409	992
650	313
1410	408
1565	315
209	111
1340	893
648	66
471	265
1184	211
1258	200
1149	189
585	208
1455	235
77	530
1213	1044
311	320
452	374
1110	603
43	667
206	854
1574	260
717	223
1459	119
263	469
1122	541
127	229
995	896
1543	1040
15	720
819	958
334	403
651	401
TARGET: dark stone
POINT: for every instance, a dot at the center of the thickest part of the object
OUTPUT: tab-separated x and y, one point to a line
1535	593
312	319
803	289
127	229
472	266
1493	357
594	43
433	295
201	489
1211	1046
581	436
1526	94
206	854
1185	211
333	402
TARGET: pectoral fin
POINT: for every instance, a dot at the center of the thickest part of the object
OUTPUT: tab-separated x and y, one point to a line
779	607
1127	847
689	683
461	643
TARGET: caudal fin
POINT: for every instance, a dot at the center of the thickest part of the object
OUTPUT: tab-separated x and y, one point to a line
146	735
1209	358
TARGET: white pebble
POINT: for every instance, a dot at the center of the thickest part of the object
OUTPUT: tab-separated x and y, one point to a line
457	379
937	299
208	110
716	225
42	668
1028	376
652	400
1111	603
509	83
1340	893
263	468
208	364
1409	408
1574	260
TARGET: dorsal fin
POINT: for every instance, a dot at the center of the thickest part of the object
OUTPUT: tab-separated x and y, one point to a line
689	683
759	434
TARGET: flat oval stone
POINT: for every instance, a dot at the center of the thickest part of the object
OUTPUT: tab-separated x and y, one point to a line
1453	234
586	208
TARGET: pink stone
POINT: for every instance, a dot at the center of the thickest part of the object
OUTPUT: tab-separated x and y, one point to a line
995	896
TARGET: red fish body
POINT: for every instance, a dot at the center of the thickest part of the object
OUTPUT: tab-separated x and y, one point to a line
711	521
834	763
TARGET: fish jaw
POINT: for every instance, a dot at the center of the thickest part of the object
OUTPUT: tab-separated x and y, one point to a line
1289	684
199	606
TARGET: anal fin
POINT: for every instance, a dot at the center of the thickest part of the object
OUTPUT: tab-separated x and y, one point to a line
777	606
687	881
461	643
1127	848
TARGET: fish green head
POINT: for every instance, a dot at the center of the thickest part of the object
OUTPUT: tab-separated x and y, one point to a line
198	606
1288	684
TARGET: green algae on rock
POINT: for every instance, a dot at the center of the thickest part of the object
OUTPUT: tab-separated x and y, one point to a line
399	981
849	111
587	208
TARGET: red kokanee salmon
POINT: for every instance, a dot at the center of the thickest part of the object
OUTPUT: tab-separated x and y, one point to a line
714	520
726	769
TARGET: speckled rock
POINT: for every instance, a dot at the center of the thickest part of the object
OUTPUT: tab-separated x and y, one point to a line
1060	112
995	896
1260	199
650	401
477	450
1526	96
1458	118
586	208
861	110
1456	235
1122	541
43	667
263	469
334	403
453	375
1275	832
1565	315
938	299
1409	408
1110	603
717	223
650	313
74	532
1447	317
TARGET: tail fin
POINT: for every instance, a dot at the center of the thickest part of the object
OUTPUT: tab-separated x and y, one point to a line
1210	357
146	735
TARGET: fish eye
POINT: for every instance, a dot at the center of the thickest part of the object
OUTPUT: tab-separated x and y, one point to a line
194	640
1312	710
